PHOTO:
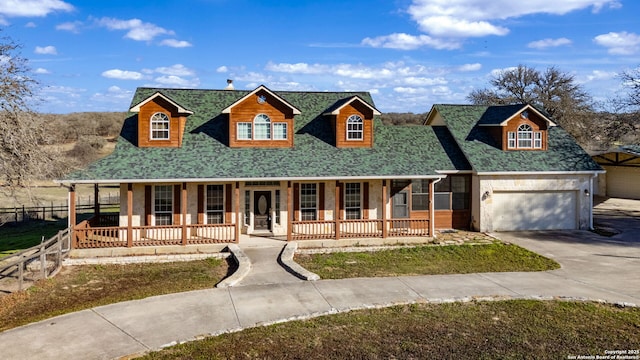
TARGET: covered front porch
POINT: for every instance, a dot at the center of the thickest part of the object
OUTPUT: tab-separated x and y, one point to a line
198	213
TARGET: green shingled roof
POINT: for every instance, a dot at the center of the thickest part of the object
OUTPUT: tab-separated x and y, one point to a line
399	151
485	155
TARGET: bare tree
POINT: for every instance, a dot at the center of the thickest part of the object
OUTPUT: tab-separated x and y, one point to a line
631	80
552	90
22	156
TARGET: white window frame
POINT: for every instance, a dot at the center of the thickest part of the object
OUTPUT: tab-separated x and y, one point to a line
243	129
537	140
308	209
355	127
262	122
279	128
511	138
159	119
346	201
212	212
156	212
525	135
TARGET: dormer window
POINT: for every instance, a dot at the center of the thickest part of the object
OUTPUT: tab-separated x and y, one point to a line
159	126
354	128
262	128
525	138
262	125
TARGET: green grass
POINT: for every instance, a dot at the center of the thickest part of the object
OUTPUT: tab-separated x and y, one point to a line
14	238
519	329
426	260
83	287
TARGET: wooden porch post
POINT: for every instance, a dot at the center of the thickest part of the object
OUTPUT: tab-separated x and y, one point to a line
384	209
432	212
72	214
336	213
183	210
290	211
236	194
129	215
96	202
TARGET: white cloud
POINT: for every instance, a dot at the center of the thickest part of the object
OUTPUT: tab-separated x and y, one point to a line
402	41
46	50
175	43
28	8
424	81
122	74
470	67
601	75
619	43
389	70
177	70
177	81
72	26
41	71
222	69
476	18
137	29
30	24
546	43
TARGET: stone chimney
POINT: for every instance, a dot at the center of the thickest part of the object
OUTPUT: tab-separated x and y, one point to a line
229	85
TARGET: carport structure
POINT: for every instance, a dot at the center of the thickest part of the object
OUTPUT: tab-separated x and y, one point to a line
622	179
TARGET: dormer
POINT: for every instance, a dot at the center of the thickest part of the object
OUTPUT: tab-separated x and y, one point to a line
352	122
161	121
261	119
517	127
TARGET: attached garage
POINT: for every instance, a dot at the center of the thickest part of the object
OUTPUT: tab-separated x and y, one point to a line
534	210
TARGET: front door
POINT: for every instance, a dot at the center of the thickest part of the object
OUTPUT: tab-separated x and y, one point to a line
262	210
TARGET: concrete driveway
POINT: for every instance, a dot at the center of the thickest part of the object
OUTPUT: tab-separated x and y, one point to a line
609	263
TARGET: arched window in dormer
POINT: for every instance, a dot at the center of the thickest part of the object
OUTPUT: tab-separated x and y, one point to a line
262	127
354	128
159	126
525	136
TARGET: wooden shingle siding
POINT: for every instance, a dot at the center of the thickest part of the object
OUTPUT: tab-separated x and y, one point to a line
176	124
340	121
247	110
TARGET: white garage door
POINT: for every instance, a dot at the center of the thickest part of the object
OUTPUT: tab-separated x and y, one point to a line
623	182
534	210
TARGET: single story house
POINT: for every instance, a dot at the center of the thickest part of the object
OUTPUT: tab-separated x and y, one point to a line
204	166
622	179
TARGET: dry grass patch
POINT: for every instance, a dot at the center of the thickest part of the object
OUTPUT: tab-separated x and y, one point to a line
426	260
83	287
519	329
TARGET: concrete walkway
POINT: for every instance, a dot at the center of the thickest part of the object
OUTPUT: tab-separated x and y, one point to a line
592	269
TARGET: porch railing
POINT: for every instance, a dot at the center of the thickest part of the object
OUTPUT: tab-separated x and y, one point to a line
326	229
86	237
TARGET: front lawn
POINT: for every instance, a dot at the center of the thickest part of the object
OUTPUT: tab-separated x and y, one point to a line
519	329
83	287
426	260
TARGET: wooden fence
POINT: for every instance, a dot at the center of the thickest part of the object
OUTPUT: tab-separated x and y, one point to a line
35	263
53	211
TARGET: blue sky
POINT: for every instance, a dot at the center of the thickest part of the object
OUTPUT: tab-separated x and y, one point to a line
90	55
